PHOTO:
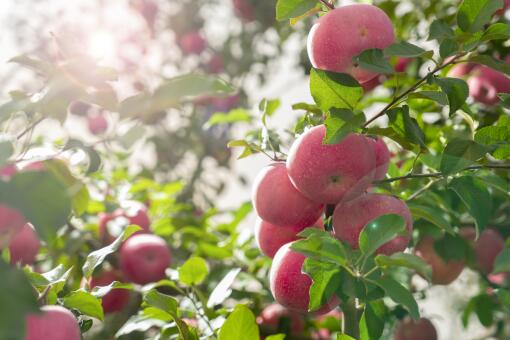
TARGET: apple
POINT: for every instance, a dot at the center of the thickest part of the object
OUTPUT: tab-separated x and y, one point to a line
110	224
277	201
192	43
349	219
382	158
443	272
79	108
421	329
371	84
244	10
34	166
345	32
289	286
117	298
97	123
144	258
331	173
402	64
54	322
24	245
487	248
11	221
273	316
506	5
485	83
272	237
7	171
462	70
215	64
225	104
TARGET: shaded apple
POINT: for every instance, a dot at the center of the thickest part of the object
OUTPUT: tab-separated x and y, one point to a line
24	245
192	43
350	218
344	33
54	322
487	248
277	201
331	173
275	318
382	158
11	222
116	299
421	329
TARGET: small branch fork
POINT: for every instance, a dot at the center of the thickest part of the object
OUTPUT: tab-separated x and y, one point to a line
327	4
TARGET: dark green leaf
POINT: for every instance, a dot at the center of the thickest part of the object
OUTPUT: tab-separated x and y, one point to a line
400	295
448	48
459	154
406	50
496	136
379	231
405	260
374	60
433	215
326	280
337	90
402	123
325	248
502	262
440	30
456	90
161	301
497	31
491	62
452	248
372	321
474	14
436	96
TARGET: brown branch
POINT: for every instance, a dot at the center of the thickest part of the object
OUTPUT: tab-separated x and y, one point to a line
327	4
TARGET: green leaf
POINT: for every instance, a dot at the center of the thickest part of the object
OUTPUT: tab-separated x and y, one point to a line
193	271
484	309
234	116
505	99
240	325
456	90
6	149
324	248
497	31
326	280
337	90
161	301
288	9
474	14
57	278
452	248
437	96
440	30
276	337
459	154
340	122
496	136
448	48
371	324
399	294
84	302
406	50
379	231
223	290
504	297
97	257
475	196
134	134
502	262
373	60
402	123
344	337
491	62
433	215
405	260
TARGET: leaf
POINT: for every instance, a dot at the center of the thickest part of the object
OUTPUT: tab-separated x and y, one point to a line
222	291
276	337
240	325
491	62
336	90
373	60
475	196
433	215
130	137
474	14
456	90
57	278
326	280
502	262
193	271
379	231
38	65
448	48
371	324
161	301
437	96
440	30
399	294
101	291
288	9
97	257
405	260
84	302
324	248
496	136
459	154
340	122
497	31
505	100
406	50
344	337
504	297
233	116
6	149
402	123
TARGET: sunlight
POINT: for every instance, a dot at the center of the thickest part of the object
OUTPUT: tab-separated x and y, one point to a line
102	45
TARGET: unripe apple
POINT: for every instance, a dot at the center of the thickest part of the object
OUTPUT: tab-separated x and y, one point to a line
24	245
402	63
345	32
289	286
485	83
421	329
487	248
244	10
144	258
11	221
97	123
443	272
7	171
382	158
54	322
192	43
272	237
117	298
277	201
331	173
271	318
350	218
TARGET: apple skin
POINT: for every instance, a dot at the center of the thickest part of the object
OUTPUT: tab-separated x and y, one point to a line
192	43
54	322
487	248
402	64
277	201
422	329
144	258
97	124
24	245
382	158
485	83
11	222
270	317
215	65
6	172
461	70
272	237
289	286
244	10
331	173
138	217
371	84
345	32
117	299
443	272
349	219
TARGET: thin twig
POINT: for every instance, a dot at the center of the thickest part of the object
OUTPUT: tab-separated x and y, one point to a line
29	128
327	4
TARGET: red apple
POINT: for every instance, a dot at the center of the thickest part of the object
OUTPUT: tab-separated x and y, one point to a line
422	329
382	158
277	201
331	173
117	298
144	258
289	286
350	218
225	104
487	248
485	83
24	245
461	70
271	318
192	43
402	64
215	64
54	322
34	166
345	32
244	10
11	221
97	123
443	272
121	218
371	84
7	171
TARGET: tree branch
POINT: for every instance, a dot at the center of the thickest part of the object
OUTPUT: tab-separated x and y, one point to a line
327	4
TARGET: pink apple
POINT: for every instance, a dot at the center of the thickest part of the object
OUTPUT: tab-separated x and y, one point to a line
462	70
487	248
144	258
331	173
192	43
79	108
11	221
244	10
225	104
485	83
117	298
271	318
7	171
371	84
382	158
215	64
344	33
277	201
110	223
289	286
350	218
402	64
24	245
97	123
54	322
422	329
